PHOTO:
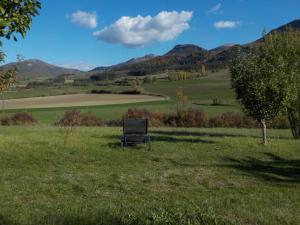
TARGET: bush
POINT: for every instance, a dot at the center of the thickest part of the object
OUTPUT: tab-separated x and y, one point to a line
232	120
101	91
75	118
280	122
22	118
186	118
114	123
132	92
217	101
155	118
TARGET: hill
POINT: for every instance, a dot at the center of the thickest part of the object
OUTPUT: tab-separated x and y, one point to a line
38	68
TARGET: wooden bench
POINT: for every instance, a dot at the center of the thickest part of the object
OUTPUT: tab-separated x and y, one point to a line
135	131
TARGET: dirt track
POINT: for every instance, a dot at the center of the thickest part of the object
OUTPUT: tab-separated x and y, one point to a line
77	100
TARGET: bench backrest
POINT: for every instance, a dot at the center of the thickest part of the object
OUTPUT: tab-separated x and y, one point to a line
135	126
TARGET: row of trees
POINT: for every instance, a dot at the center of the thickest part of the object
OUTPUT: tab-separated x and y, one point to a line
267	80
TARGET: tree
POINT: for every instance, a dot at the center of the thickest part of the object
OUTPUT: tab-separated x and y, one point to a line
6	80
203	70
15	18
181	100
257	79
286	46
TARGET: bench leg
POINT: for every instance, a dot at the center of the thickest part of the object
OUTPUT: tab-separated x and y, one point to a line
149	144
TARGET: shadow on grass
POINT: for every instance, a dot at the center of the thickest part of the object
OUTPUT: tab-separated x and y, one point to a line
103	219
107	217
212	134
161	138
275	169
198	134
210	104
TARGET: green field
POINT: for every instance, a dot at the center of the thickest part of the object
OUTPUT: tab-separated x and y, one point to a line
200	91
193	176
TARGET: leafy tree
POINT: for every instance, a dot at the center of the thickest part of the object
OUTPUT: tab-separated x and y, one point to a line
286	47
257	79
15	18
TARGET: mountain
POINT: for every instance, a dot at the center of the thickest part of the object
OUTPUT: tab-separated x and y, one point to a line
139	59
180	57
127	63
295	24
38	68
221	48
184	51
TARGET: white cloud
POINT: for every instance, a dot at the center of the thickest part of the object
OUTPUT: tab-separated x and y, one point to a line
83	66
84	19
226	24
217	9
138	31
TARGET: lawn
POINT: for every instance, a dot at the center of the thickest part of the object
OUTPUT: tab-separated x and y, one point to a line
193	176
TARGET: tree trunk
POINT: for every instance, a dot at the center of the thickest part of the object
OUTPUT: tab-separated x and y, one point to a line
264	131
294	119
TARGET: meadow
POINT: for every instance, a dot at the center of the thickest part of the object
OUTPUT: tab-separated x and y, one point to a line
192	176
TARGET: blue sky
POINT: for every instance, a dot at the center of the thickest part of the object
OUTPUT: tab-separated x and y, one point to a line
88	33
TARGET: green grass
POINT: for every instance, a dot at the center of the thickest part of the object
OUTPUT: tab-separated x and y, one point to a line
193	176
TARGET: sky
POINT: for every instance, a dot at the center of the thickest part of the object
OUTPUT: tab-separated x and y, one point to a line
84	34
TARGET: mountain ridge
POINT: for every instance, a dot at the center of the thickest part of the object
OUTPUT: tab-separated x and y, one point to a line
181	56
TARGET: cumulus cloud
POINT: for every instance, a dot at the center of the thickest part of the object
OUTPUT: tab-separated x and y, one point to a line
84	19
139	31
217	9
227	24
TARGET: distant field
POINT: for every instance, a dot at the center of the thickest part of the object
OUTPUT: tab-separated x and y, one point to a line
192	177
200	91
77	100
204	89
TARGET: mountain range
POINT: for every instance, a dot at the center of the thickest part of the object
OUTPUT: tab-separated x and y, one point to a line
182	57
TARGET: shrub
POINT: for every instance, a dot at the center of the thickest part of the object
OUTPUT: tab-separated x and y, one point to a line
155	118
114	123
132	92
22	118
280	122
147	80
232	120
186	118
183	118
217	101
75	118
101	91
